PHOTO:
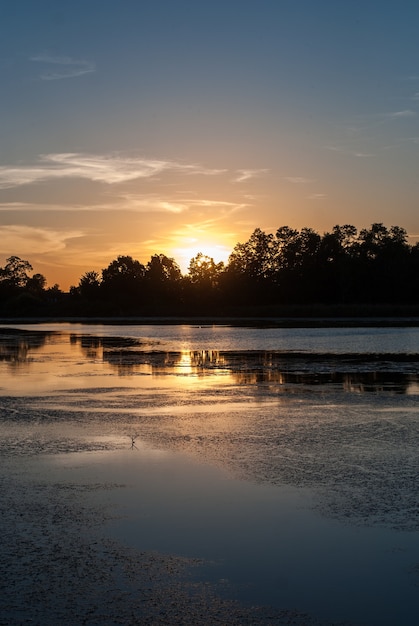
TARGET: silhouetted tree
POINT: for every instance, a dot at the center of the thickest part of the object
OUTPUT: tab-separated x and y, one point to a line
201	286
256	257
15	272
163	269
36	284
122	284
288	243
381	264
89	285
251	271
162	282
204	272
21	294
374	266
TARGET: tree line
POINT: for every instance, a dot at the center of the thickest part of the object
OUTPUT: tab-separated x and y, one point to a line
343	267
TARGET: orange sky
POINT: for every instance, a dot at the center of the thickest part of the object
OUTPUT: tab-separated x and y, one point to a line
178	128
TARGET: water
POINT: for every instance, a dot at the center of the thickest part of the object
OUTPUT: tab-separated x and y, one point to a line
283	460
229	338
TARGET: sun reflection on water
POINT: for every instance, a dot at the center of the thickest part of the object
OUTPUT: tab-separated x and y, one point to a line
36	362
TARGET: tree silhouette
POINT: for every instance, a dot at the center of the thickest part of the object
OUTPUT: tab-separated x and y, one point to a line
89	285
162	282
202	285
256	258
21	294
290	267
36	284
15	272
122	283
204	272
162	269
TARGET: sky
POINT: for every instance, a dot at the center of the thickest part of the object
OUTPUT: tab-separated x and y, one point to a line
179	126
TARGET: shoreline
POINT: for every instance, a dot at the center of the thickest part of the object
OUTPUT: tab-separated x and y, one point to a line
264	321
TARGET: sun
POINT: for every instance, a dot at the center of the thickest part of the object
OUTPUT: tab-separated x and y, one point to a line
216	251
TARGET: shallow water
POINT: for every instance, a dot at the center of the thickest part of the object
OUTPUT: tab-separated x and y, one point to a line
260	543
283	459
174	338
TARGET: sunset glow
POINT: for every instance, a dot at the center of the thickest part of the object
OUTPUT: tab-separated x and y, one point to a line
184	253
180	128
217	253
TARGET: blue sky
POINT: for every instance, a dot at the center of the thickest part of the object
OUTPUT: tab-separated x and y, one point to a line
179	126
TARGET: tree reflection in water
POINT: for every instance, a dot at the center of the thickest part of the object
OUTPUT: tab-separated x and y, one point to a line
353	374
15	346
280	371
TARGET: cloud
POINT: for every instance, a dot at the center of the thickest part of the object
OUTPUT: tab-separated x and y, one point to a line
354	153
334	148
15	206
34	240
401	114
299	180
106	168
154	203
143	203
317	196
217	203
197	169
136	203
33	207
68	67
243	175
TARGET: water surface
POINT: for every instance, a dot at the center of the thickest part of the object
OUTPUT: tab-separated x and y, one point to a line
284	460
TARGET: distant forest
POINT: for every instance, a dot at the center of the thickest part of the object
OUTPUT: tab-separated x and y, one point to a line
268	273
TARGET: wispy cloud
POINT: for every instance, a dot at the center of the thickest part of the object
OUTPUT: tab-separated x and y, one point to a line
107	168
370	130
243	175
34	207
148	203
67	67
354	153
197	169
299	180
15	206
136	203
317	196
231	206
394	115
156	203
34	240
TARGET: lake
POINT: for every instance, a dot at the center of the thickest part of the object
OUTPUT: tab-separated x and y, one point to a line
187	474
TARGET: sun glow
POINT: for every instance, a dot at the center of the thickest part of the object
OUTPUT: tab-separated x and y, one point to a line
184	254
